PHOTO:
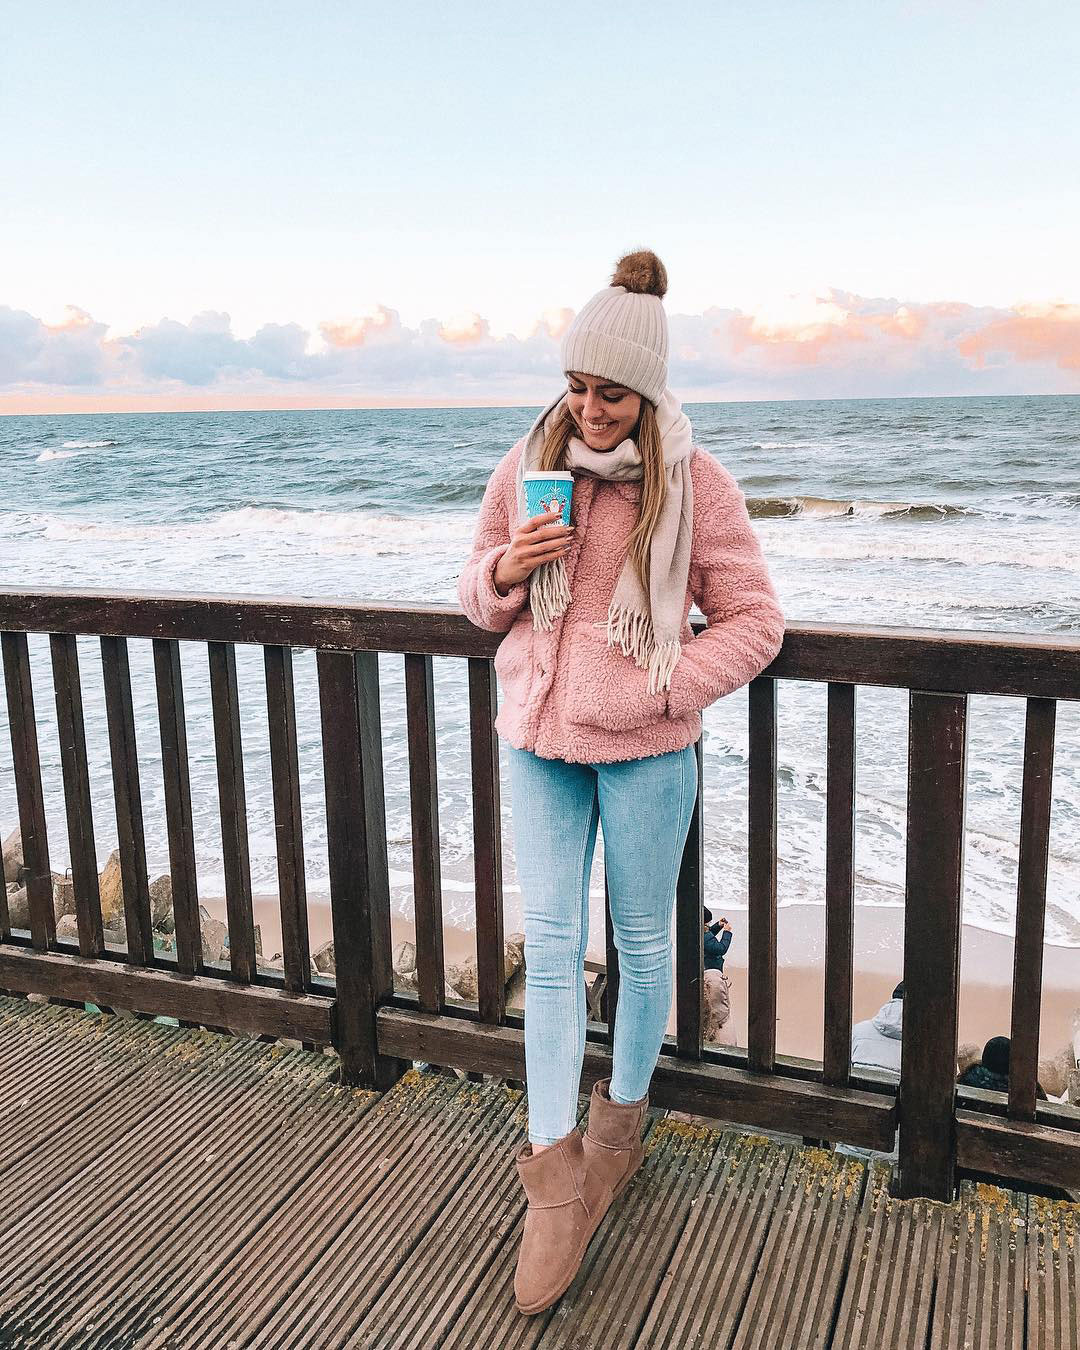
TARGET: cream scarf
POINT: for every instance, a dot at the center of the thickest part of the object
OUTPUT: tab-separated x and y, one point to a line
645	627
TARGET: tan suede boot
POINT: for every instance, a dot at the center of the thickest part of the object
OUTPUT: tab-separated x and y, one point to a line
612	1143
566	1205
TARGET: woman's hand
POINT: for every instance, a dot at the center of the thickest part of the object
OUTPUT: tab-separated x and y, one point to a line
536	541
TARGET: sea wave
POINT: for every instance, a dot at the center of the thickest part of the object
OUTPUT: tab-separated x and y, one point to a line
337	530
88	445
764	508
859	548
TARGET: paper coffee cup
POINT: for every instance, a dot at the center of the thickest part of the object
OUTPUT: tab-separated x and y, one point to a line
546	491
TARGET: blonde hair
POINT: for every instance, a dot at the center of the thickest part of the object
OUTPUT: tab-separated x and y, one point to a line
653	480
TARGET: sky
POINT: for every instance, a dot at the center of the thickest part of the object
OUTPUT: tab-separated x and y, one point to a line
271	204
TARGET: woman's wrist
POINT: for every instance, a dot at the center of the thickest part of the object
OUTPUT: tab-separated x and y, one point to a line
502	583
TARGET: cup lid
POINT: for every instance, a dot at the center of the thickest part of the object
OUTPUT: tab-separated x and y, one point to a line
558	474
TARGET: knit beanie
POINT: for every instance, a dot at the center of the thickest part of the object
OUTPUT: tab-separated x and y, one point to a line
622	332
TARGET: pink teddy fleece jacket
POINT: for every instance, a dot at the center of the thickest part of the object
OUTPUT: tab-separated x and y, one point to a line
566	693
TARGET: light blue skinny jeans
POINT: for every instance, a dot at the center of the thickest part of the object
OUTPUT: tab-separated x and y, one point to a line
644	807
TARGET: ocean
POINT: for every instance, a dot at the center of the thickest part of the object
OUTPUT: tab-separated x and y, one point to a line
940	512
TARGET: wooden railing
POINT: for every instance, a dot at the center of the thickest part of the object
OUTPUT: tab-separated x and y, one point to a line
375	1030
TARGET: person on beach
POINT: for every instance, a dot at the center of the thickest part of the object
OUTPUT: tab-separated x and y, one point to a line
603	683
875	1043
717	990
992	1071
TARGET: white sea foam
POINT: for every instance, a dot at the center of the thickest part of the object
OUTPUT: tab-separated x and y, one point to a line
87	445
786	542
327	531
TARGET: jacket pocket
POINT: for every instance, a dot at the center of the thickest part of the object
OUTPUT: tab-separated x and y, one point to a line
606	689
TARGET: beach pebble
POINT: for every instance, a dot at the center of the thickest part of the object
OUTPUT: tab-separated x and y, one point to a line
214	934
18	907
111	888
161	903
13	856
67	928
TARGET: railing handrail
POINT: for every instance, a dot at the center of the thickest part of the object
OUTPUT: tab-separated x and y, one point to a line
959	661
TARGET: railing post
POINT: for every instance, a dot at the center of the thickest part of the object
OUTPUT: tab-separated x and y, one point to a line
356	854
761	876
28	793
937	746
487	845
839	883
689	945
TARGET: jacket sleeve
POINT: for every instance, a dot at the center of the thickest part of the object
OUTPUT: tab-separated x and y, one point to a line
481	602
730	584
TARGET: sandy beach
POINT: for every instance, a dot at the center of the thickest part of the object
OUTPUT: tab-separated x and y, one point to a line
985	971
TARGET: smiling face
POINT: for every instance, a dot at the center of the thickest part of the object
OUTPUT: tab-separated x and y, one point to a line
605	412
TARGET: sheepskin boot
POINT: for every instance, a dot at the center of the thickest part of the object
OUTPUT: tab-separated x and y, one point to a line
612	1143
566	1205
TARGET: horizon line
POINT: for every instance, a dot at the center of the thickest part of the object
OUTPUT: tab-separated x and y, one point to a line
45	404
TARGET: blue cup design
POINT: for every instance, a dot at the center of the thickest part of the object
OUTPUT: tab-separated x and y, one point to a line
548	491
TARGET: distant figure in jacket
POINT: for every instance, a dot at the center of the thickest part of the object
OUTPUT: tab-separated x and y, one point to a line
992	1072
875	1043
717	939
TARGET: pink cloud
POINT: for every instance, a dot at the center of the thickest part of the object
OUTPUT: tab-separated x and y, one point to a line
466	329
356	332
835	344
1033	333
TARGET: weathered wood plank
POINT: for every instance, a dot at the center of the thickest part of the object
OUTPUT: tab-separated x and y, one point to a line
76	774
210	1000
426	842
809	1108
232	799
1019	1150
127	796
793	1299
1053	1275
761	876
889	1292
839	881
689	906
179	822
937	745
979	1303
356	854
931	659
1035	806
28	792
487	840
288	819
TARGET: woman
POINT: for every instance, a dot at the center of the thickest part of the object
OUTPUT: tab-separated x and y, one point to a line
603	684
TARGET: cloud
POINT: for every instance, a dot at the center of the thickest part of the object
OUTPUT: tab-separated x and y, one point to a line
1048	333
381	325
69	354
833	344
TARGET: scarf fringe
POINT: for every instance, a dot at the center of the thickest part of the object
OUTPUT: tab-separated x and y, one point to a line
631	631
549	593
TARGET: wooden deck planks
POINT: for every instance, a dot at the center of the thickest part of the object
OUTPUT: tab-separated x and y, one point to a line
168	1189
889	1292
704	1289
1053	1275
979	1303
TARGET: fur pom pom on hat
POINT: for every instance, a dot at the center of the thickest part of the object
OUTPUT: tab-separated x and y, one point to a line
622	332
